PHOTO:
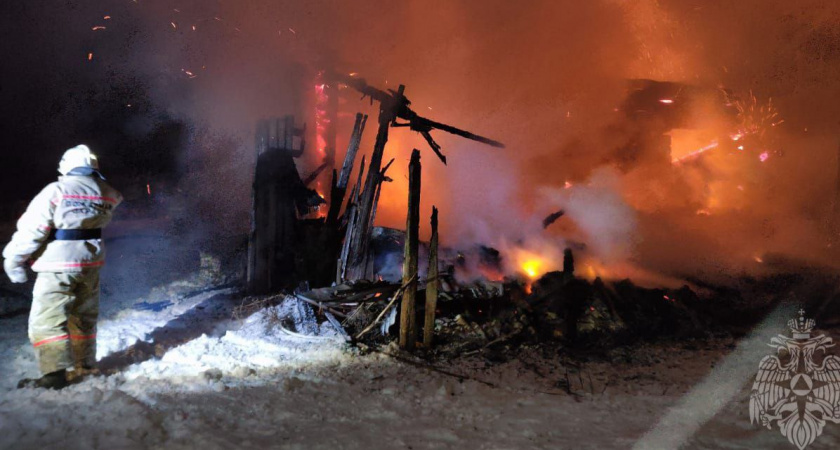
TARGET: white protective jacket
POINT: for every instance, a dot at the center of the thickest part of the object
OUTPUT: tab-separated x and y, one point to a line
74	202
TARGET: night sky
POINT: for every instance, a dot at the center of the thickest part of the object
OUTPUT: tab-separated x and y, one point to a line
54	97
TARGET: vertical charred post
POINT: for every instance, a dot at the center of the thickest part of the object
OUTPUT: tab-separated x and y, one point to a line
351	215
408	328
431	284
568	263
340	180
357	265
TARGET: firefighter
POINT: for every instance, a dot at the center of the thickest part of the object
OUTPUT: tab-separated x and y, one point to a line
60	235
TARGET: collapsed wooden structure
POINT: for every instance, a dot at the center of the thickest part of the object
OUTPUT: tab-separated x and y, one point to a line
278	196
339	244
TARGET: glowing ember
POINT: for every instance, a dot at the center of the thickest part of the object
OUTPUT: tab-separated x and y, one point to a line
763	156
666	101
530	264
90	56
148	189
695	153
173	25
98	27
532	267
567	185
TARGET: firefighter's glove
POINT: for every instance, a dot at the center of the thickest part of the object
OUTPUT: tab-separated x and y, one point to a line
14	270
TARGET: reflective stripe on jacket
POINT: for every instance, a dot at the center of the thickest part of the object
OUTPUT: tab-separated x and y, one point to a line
73	202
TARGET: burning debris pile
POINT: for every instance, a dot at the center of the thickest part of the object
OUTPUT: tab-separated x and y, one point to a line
281	245
369	283
560	314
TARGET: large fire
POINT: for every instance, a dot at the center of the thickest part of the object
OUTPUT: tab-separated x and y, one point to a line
563	125
532	268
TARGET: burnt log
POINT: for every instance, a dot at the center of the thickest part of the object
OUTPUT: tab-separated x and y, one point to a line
432	284
408	320
340	180
551	218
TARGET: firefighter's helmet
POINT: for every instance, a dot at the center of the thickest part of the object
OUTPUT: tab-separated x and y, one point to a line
78	156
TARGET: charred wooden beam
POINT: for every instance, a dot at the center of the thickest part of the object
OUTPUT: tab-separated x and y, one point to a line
408	327
339	183
357	189
432	284
352	150
398	107
312	176
397	295
359	247
341	270
551	218
382	179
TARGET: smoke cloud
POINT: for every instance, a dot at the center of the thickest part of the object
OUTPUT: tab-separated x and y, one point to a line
548	78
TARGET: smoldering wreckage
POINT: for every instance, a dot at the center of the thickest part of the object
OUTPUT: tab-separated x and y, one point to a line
318	268
372	287
375	285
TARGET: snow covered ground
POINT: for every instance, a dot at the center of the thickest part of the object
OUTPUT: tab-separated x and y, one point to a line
186	375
